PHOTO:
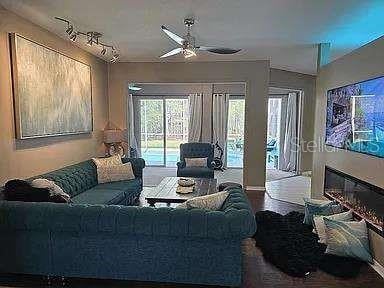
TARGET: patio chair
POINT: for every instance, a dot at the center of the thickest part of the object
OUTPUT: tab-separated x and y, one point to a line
196	150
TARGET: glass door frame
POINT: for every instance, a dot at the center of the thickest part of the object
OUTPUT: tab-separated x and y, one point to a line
137	99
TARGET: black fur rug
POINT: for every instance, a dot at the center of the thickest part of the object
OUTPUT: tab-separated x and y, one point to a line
291	246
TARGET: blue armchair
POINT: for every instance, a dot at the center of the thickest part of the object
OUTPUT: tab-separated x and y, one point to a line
196	150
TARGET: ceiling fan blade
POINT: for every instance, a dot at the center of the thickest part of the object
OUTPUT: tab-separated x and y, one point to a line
172	52
172	35
219	50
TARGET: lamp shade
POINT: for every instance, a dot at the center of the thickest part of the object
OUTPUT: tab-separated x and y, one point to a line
112	136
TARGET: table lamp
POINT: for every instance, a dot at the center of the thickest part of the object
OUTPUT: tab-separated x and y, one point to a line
112	141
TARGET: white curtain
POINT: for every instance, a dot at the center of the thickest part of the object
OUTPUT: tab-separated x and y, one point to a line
132	141
289	153
220	121
195	116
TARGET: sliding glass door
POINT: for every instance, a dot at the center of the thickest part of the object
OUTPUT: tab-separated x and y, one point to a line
152	131
164	126
176	128
235	136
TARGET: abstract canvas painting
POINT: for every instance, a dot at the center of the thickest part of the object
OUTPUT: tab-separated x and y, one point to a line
52	92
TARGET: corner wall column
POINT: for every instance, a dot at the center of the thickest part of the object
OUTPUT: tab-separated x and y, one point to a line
323	54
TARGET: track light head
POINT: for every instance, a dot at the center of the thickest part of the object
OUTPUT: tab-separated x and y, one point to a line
115	56
73	37
103	51
69	29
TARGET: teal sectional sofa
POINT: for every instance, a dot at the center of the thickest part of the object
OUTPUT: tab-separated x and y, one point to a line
80	182
90	238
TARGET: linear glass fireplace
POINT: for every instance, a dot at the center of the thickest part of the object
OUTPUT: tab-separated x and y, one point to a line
364	199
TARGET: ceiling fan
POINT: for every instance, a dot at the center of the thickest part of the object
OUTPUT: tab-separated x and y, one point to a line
188	46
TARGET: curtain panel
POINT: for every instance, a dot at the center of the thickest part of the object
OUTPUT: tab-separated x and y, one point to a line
220	122
132	141
289	159
195	117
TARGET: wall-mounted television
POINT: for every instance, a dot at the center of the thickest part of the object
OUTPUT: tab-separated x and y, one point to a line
355	117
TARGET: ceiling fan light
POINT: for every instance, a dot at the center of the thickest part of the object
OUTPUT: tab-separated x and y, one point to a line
188	53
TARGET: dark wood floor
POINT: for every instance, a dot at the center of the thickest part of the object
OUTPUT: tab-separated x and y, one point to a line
257	272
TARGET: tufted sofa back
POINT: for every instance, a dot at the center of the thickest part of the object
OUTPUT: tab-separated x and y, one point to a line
234	220
197	150
74	179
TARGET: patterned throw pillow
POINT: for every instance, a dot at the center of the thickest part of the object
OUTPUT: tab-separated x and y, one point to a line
209	202
109	161
196	162
106	174
348	239
320	226
319	207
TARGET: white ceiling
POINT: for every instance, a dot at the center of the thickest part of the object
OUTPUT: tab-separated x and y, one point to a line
284	31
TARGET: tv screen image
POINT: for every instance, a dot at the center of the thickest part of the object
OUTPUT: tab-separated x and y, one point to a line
355	117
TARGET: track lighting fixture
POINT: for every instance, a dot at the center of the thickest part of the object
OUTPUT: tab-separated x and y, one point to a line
93	38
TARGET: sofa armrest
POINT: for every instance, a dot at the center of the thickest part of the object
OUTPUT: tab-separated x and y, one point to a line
138	164
180	165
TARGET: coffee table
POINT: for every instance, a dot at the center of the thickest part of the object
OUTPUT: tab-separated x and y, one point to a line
165	192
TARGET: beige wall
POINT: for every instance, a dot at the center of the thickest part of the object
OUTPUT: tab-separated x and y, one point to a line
254	73
24	158
305	83
362	64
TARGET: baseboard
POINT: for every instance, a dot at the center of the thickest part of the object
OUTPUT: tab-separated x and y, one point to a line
255	188
378	268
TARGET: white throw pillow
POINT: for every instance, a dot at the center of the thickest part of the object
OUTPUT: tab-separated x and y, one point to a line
115	173
109	161
53	188
320	226
209	202
196	162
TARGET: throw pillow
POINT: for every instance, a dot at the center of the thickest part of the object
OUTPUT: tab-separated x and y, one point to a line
54	189
109	161
209	202
196	162
182	206
319	207
114	173
320	226
348	239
